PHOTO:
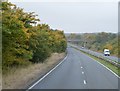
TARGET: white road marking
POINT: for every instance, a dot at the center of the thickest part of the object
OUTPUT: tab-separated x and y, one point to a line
46	74
81	67
105	67
82	72
84	82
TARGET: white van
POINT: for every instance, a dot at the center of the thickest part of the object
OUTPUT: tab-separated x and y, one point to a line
106	52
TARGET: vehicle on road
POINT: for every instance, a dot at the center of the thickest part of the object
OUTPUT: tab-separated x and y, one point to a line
82	47
106	52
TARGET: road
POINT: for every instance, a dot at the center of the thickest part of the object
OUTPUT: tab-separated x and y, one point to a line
79	71
113	58
101	54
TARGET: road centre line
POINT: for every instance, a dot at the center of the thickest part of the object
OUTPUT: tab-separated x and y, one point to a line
84	82
82	72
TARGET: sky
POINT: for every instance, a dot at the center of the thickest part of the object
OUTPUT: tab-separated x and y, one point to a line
78	16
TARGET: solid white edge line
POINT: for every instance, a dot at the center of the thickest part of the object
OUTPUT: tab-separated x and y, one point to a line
47	74
105	67
84	82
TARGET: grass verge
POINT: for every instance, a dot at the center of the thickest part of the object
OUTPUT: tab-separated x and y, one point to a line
0	76
21	78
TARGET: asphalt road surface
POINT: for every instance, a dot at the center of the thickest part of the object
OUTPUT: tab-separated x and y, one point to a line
101	54
113	58
79	71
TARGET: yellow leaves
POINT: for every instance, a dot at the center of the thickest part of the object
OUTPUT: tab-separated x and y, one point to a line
28	41
109	46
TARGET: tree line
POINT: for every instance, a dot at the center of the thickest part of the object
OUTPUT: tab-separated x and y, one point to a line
24	41
98	41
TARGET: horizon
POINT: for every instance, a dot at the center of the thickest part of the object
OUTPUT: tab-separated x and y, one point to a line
91	32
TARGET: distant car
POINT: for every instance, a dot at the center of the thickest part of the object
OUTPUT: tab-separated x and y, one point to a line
106	52
82	47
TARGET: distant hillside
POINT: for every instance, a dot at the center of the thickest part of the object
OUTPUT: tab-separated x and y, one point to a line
97	41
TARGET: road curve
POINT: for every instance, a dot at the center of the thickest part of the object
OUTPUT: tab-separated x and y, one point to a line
79	71
113	58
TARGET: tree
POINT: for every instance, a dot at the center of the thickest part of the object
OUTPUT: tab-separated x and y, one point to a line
25	41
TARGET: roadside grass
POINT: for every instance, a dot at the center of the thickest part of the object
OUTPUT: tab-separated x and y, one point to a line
0	68
107	64
0	76
20	78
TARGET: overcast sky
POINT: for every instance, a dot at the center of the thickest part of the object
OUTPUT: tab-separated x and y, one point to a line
76	17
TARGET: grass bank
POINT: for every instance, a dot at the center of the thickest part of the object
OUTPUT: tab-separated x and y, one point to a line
22	77
0	76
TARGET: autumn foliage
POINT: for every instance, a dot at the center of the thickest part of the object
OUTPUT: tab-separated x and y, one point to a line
98	41
24	41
